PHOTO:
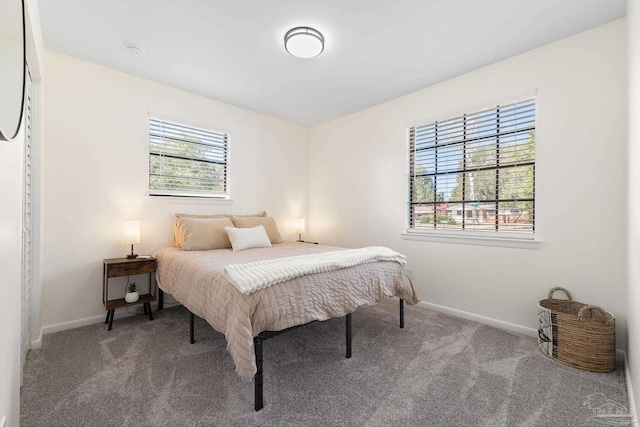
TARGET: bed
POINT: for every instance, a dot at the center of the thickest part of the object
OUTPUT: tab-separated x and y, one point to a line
197	280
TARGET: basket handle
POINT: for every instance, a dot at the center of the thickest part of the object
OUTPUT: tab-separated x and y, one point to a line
558	288
590	309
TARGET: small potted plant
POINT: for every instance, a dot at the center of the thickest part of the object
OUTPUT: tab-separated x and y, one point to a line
132	293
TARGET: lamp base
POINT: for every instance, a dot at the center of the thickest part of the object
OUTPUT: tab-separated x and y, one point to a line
132	255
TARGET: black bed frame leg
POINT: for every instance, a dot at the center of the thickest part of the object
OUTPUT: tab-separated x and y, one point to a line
113	310
192	338
257	346
160	298
401	313
348	355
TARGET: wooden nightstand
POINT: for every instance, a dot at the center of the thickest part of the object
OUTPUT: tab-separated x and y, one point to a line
119	267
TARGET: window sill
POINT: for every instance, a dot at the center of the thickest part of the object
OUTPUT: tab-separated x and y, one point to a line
474	239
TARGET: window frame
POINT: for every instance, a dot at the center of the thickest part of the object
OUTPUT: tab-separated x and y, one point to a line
515	239
185	193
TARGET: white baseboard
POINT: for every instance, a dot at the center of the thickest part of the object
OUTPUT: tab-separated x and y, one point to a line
58	327
36	344
481	319
630	395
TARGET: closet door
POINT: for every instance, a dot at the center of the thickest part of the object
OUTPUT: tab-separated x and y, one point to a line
26	223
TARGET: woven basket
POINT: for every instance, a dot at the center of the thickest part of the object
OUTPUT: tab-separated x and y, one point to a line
575	334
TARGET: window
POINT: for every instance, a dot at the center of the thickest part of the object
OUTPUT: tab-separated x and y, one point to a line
474	172
187	161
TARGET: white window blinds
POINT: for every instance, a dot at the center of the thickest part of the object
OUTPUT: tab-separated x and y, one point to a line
187	161
475	171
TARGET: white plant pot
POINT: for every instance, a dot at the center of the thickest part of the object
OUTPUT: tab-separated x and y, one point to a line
131	297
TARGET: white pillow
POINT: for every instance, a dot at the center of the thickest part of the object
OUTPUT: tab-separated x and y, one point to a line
247	238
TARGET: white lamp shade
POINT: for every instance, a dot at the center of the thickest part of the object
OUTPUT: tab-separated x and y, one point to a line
300	225
304	42
132	232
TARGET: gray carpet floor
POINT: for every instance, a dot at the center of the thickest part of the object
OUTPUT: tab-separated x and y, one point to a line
437	371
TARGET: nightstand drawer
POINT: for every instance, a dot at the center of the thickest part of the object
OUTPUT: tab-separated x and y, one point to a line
131	268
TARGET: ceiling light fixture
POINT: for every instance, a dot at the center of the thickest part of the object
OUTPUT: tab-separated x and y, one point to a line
304	42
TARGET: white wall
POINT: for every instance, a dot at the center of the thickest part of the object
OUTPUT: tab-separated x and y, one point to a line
358	184
95	175
633	298
11	160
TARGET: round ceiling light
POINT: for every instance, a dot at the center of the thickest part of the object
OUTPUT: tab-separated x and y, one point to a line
304	42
